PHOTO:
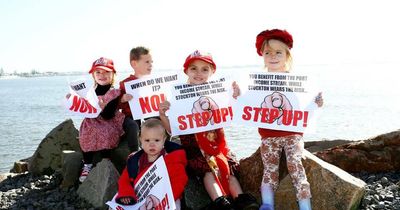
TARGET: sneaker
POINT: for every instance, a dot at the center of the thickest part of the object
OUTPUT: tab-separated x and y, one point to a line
246	201
85	172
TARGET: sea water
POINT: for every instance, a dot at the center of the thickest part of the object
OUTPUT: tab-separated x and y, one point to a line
360	102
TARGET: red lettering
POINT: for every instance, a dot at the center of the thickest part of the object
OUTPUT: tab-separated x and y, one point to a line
273	114
181	121
287	117
119	208
199	119
216	115
224	114
82	105
264	115
76	102
145	105
257	111
164	204
205	117
305	119
151	104
230	112
297	115
246	113
190	116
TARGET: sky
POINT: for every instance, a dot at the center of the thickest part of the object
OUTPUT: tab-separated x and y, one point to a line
48	35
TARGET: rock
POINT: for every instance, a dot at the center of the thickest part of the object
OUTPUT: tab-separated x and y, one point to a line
101	184
344	190
195	194
20	166
316	146
47	157
71	166
379	154
6	176
120	154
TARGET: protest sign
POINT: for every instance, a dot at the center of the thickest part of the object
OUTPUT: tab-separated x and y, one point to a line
153	190
83	100
197	108
278	101
148	92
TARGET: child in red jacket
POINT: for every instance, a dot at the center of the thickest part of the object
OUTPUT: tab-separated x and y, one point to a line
153	142
209	157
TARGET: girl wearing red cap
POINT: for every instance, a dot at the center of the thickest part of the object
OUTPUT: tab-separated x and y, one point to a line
274	46
101	134
207	151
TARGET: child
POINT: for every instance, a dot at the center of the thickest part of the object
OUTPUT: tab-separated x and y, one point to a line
142	64
101	134
153	141
274	45
199	67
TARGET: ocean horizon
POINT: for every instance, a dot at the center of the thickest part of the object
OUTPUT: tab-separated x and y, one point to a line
360	102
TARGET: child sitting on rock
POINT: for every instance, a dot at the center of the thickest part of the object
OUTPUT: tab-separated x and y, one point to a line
101	134
209	157
153	142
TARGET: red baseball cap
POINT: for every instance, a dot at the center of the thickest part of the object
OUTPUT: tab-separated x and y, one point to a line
281	35
103	63
197	55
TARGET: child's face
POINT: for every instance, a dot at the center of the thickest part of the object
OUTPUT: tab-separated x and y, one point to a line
275	56
199	72
152	140
143	66
103	77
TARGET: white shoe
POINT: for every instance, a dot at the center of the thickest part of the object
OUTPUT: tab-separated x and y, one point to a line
85	172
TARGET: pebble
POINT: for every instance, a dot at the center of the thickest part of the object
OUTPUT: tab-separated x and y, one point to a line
25	191
382	191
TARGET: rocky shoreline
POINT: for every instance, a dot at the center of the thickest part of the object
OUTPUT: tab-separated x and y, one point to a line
48	180
25	191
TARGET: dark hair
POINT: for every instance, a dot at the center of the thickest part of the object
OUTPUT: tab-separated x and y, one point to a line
136	52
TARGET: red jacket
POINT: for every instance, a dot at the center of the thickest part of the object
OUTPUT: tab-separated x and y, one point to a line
175	161
125	106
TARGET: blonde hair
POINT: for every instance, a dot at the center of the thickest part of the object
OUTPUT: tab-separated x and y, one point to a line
289	58
112	80
153	123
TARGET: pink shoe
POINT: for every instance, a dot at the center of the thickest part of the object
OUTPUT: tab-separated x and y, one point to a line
85	172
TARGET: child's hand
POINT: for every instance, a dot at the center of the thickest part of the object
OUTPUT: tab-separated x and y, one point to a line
236	90
126	201
319	100
68	95
164	106
126	97
102	104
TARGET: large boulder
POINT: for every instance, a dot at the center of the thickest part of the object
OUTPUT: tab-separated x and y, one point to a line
101	184
195	195
47	157
379	154
331	187
316	146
